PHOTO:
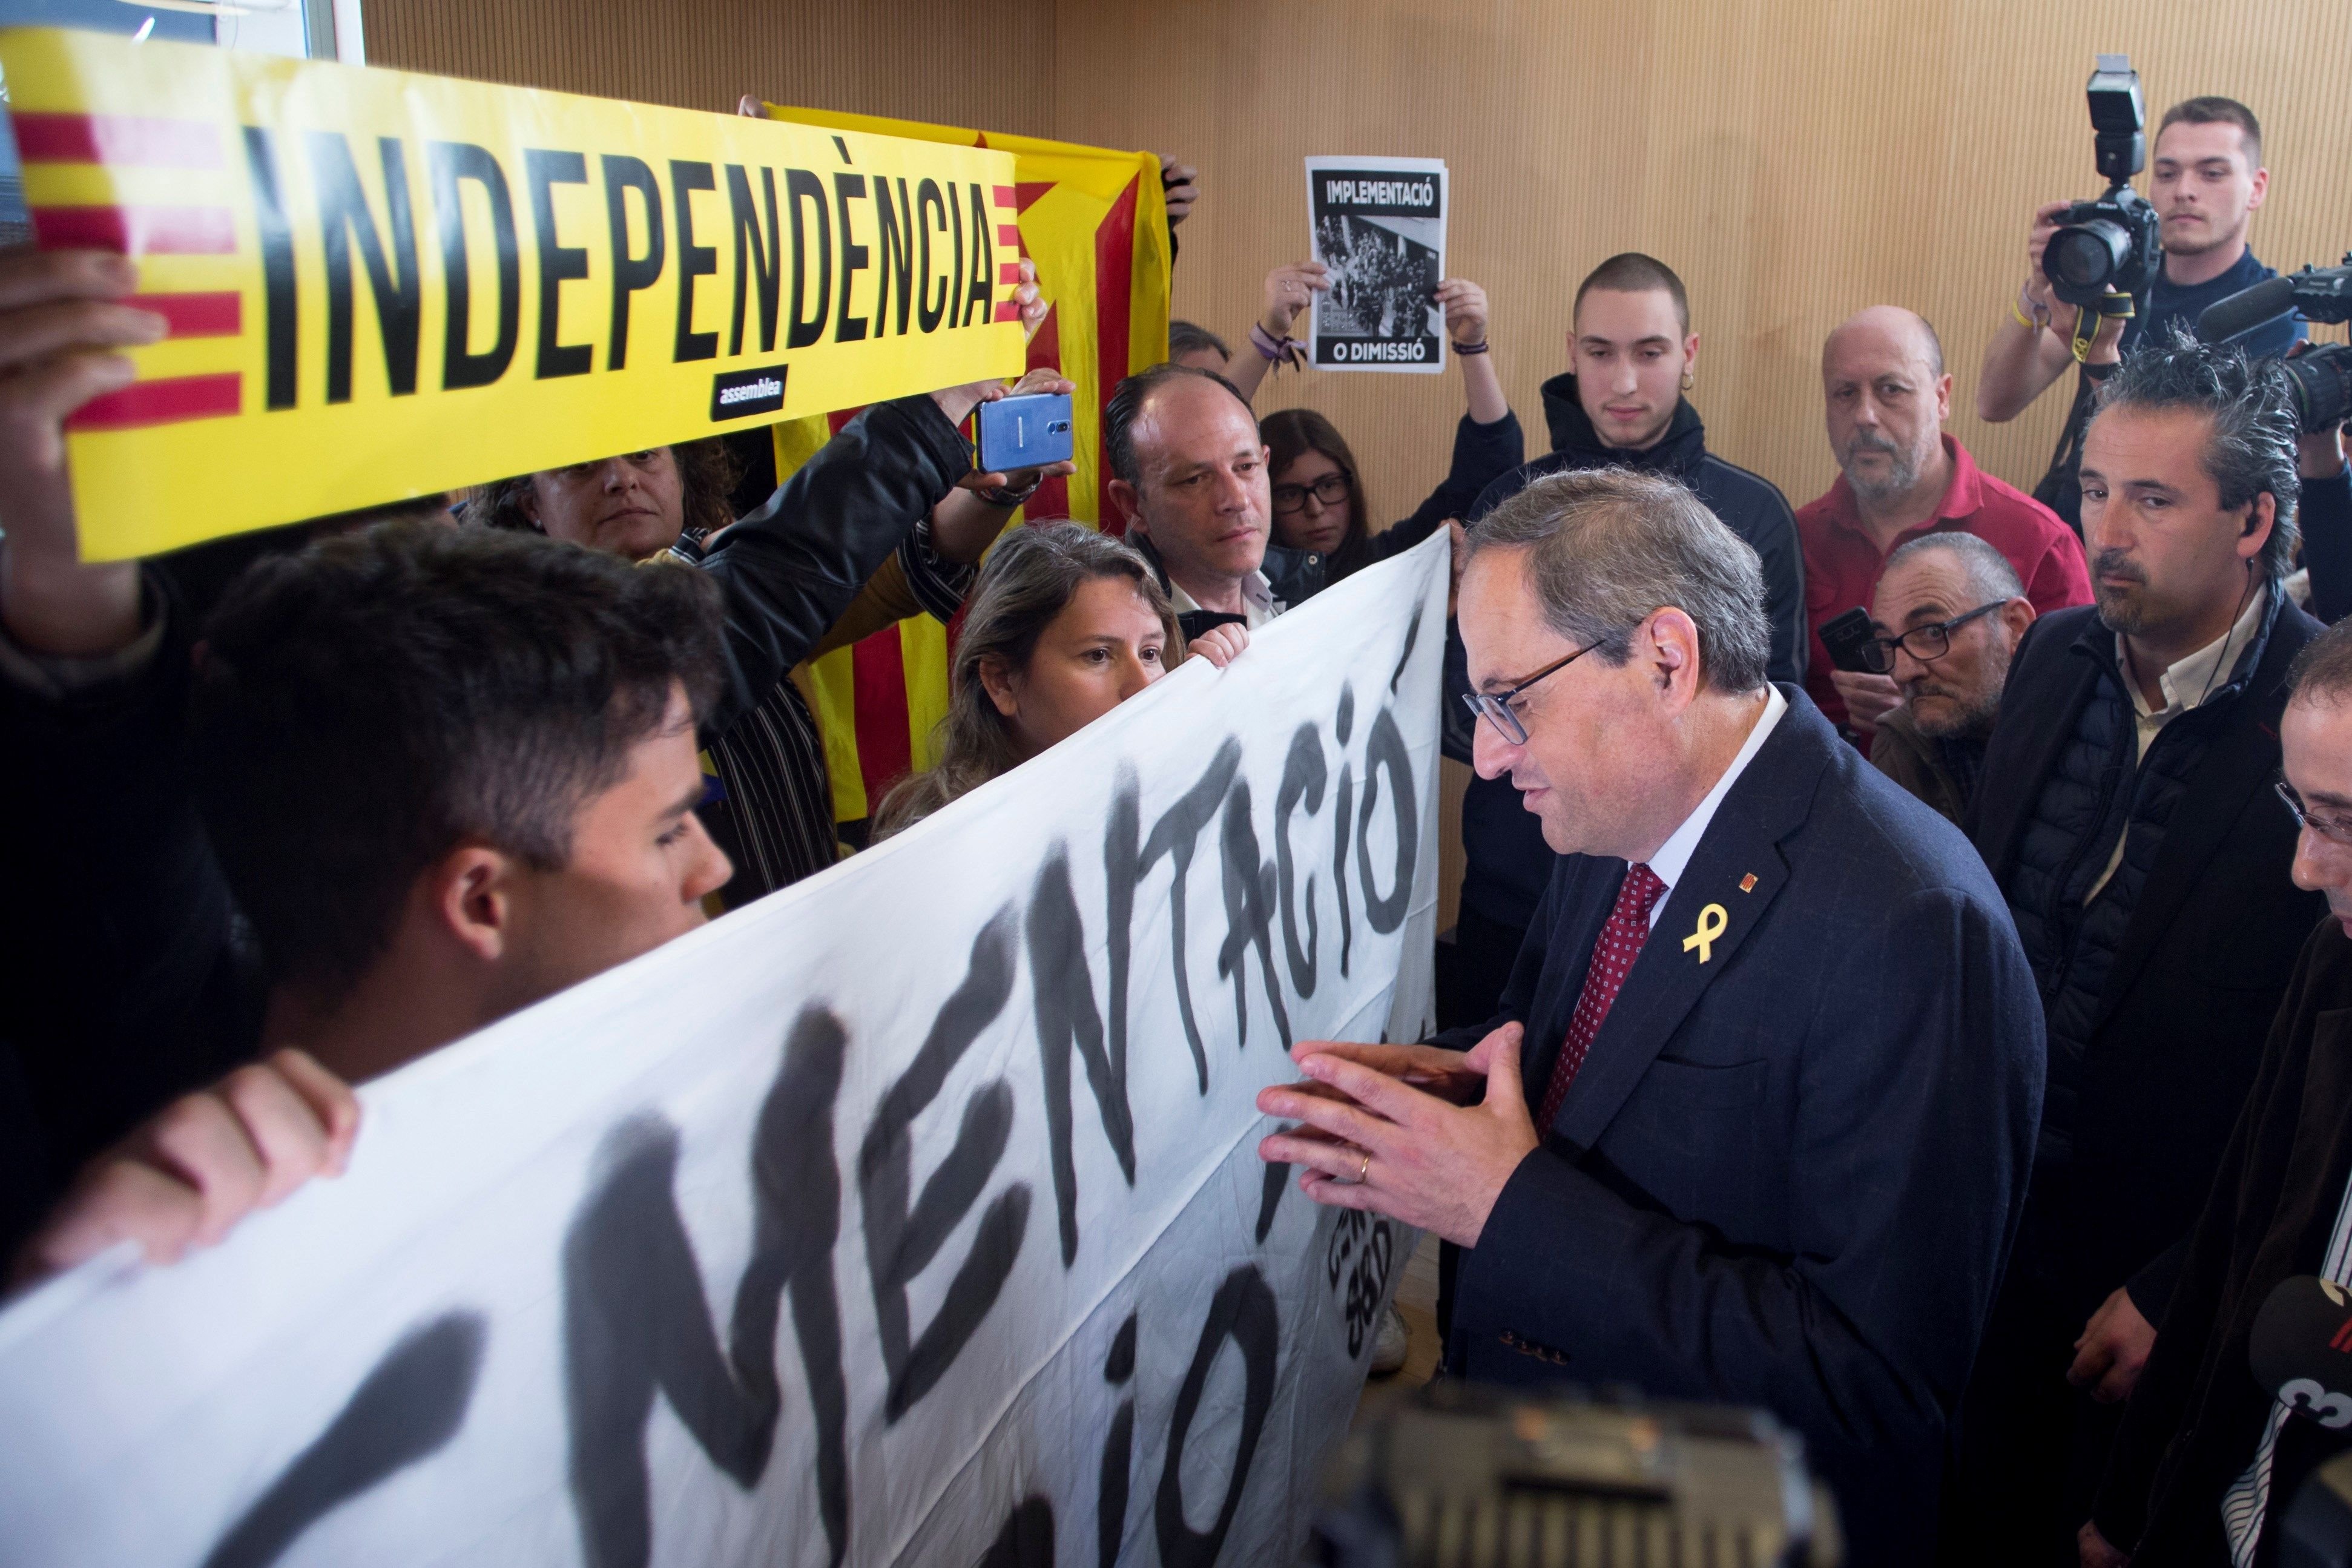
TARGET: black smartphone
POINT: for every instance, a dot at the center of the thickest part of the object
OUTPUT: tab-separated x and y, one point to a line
1847	638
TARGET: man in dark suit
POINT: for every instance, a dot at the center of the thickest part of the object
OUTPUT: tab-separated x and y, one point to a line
2125	811
1783	1067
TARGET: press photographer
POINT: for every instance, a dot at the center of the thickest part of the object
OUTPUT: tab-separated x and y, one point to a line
2206	181
2319	378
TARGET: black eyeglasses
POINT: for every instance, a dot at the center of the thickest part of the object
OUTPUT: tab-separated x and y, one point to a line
2337	830
1923	643
1330	489
1494	707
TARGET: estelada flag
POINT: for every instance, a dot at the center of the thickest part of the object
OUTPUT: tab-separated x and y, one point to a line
1095	224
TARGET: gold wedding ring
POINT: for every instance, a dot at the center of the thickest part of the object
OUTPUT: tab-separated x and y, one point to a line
1364	1172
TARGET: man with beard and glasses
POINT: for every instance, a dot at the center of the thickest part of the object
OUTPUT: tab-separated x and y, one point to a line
2125	809
1949	615
1888	394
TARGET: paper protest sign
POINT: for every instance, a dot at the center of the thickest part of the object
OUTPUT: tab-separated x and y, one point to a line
1379	224
383	284
910	1215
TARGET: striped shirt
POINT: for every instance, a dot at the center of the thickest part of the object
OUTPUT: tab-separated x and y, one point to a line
770	807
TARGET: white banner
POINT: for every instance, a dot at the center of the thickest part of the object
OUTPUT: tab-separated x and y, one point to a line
910	1215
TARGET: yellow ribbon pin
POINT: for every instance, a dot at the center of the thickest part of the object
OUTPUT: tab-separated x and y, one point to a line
1711	922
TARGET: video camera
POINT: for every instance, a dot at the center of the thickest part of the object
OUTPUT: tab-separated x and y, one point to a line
2320	378
1465	1477
2107	252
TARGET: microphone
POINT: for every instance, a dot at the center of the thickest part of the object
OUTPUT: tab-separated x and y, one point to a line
2246	308
2301	1349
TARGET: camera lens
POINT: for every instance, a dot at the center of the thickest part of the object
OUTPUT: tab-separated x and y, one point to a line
2085	256
2321	383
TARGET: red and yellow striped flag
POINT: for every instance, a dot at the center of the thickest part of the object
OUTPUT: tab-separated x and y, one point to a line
1095	224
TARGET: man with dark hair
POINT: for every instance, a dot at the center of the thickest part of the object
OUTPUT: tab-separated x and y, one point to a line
2206	178
2209	1460
1192	344
1753	1122
2122	812
1190	482
1902	477
1950	612
1631	355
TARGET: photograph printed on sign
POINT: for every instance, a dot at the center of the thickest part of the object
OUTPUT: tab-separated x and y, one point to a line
1379	224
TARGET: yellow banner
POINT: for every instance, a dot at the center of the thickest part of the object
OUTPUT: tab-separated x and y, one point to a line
383	285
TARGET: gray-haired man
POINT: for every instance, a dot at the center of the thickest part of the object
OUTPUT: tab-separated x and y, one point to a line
1780	1050
1949	611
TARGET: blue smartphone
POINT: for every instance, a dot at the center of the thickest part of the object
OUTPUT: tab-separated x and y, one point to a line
1024	432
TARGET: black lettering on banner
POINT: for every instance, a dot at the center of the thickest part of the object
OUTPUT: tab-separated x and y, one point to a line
955	272
1125	864
1065	992
804	192
926	201
1367	1280
453	163
631	274
277	301
407	1407
693	261
753	258
1119	1449
395	282
894	260
1027	1539
542	171
1272	1186
1244	1311
901	1238
1249	917
1384	752
847	188
636	1320
980	294
1303	778
1339	820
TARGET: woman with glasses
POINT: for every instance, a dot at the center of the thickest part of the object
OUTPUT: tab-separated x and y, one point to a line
1319	510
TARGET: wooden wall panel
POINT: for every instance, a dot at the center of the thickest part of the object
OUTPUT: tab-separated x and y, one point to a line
964	62
1794	161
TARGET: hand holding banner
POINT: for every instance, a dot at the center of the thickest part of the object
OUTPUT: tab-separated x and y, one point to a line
383	284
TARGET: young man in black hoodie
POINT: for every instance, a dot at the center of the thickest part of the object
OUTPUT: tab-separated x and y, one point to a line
1632	353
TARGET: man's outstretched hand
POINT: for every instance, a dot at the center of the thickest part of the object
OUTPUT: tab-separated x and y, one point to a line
202	1163
1399	1129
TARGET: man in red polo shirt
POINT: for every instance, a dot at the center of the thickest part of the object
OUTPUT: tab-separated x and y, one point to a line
1882	373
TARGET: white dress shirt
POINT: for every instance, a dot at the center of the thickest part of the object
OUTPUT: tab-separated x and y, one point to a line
1674	856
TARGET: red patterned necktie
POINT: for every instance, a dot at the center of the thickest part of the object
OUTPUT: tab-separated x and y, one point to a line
1612	959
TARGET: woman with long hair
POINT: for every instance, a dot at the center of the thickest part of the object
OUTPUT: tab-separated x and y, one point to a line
1064	624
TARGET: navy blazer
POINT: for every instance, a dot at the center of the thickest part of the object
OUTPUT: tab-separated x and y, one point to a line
1792	1167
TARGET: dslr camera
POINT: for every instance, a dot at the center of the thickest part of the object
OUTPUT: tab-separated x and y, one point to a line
2320	378
2104	253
